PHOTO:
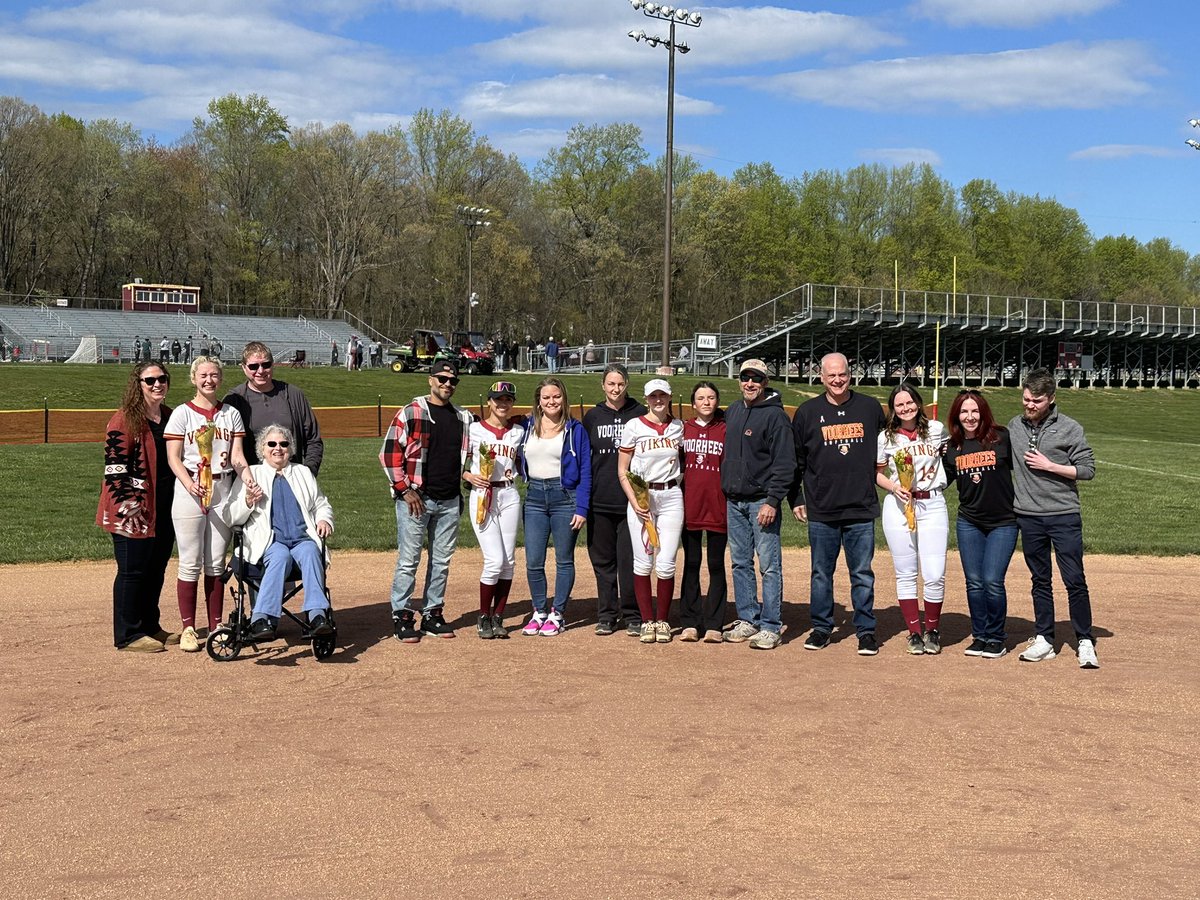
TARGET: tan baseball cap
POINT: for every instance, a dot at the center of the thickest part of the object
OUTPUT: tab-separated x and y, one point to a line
755	365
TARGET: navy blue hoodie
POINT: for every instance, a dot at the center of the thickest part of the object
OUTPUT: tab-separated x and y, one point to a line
760	456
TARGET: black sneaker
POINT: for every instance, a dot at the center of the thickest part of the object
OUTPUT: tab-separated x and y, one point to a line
994	650
433	623
319	625
485	628
405	627
933	642
633	629
867	646
261	631
818	640
604	629
498	629
976	649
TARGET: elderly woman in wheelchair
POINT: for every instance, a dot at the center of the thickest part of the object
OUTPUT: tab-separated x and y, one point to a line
285	518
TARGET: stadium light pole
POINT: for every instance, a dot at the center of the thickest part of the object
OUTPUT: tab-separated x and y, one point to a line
472	219
1194	144
674	16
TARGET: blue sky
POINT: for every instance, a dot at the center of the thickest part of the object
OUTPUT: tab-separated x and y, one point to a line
1086	101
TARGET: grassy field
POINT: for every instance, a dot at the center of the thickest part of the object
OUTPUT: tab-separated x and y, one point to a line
1142	501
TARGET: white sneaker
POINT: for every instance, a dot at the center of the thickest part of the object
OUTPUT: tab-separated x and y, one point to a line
189	641
1039	648
1087	654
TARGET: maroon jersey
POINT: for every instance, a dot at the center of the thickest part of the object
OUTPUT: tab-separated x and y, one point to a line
703	501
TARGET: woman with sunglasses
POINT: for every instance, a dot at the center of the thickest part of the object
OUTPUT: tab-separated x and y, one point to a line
135	508
703	514
979	461
650	448
556	461
287	518
909	431
204	445
494	504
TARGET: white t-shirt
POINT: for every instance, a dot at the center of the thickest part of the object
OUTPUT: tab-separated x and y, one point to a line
928	472
188	419
505	444
655	448
543	456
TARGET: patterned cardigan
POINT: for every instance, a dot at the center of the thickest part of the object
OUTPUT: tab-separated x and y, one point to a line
130	479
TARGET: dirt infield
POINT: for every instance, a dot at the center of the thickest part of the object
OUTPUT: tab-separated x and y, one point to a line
594	767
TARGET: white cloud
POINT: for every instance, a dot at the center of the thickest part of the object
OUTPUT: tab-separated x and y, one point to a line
1005	13
576	97
1122	151
899	156
725	38
1060	76
528	143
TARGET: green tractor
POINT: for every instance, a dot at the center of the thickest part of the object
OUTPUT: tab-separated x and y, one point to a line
424	348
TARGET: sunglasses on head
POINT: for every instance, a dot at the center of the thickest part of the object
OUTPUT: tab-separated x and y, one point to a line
753	377
447	379
284	444
254	367
152	380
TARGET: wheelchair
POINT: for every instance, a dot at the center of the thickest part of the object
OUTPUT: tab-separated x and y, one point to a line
227	640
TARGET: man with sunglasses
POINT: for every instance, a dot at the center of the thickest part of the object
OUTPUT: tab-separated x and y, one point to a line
263	400
837	436
756	474
424	454
1051	456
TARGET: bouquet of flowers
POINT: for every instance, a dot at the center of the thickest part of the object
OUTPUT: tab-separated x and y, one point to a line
487	465
905	473
641	492
204	445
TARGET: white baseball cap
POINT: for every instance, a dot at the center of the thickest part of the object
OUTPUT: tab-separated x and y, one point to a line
657	384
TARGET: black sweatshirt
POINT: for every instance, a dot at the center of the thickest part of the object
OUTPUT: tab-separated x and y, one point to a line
759	455
835	458
984	479
604	425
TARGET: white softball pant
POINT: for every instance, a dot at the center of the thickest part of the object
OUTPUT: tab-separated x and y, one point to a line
201	538
927	543
666	507
498	534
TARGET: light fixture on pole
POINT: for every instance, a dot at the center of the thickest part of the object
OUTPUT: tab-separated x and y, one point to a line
674	17
1194	144
472	219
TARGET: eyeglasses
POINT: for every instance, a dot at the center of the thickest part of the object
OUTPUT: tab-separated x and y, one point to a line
447	379
753	377
254	367
152	380
283	444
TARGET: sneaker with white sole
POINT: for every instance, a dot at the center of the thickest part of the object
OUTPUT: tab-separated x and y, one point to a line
189	641
553	625
534	625
1087	654
740	631
1038	649
662	632
993	650
765	640
977	647
916	646
647	635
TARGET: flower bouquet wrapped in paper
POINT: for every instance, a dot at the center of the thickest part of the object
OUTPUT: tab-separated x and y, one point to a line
641	491
204	446
487	465
905	473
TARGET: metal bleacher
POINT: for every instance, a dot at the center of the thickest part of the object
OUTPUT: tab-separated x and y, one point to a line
54	333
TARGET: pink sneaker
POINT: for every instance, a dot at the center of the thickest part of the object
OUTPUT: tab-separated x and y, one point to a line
534	625
552	626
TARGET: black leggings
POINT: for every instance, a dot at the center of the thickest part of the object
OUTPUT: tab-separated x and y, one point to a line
141	566
707	614
612	559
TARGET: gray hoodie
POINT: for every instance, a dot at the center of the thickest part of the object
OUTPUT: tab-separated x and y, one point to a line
1062	439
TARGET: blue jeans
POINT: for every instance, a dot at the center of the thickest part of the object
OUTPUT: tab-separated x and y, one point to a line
549	508
440	523
985	555
1065	534
277	563
746	539
826	540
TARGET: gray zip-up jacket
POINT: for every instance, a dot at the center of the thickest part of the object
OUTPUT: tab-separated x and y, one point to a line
1062	439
